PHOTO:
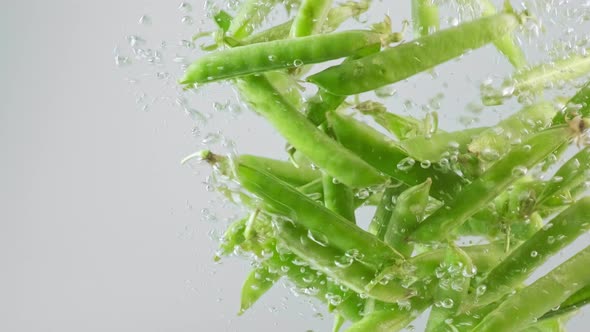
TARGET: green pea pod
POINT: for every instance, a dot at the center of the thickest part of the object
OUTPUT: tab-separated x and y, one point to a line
323	224
408	212
341	266
408	59
318	147
391	319
494	142
232	238
403	127
338	198
433	148
547	325
382	217
505	44
571	304
578	105
310	17
535	300
283	170
386	156
495	180
338	323
558	233
251	14
278	54
425	17
570	175
320	104
452	287
258	282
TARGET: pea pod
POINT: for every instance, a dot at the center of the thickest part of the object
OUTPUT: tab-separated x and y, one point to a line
405	60
320	104
578	105
386	156
278	54
250	16
406	215
425	17
258	282
453	284
495	180
403	127
323	151
557	234
570	175
341	266
338	198
321	222
382	217
533	301
310	17
575	302
434	148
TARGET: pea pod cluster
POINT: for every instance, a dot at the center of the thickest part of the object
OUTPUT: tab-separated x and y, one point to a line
430	188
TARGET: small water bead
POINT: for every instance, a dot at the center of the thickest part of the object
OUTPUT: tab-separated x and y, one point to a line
318	238
335	181
185	7
272	58
145	20
519	171
334	299
187	20
446	303
298	63
121	61
386	91
343	261
363	194
480	290
406	164
211	138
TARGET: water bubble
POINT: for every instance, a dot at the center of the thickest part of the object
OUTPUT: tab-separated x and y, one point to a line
185	7
272	58
298	63
318	238
363	194
145	20
334	299
186	20
446	303
386	91
480	290
519	171
534	254
406	164
343	261
425	164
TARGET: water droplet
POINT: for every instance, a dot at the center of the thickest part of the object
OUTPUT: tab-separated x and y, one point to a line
406	164
185	7
386	91
343	261
298	63
446	303
145	20
534	254
187	20
122	60
318	238
519	171
480	290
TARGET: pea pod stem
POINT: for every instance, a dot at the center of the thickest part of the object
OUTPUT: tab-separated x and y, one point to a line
495	180
400	62
278	54
287	201
535	300
319	148
386	156
558	233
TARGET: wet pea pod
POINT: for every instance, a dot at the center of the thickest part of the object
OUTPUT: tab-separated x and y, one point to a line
278	54
405	60
318	147
386	156
558	233
575	302
578	105
533	301
322	223
310	17
425	17
495	180
258	282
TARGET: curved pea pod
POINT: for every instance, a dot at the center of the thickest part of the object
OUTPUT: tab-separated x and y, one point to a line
310	17
405	60
278	54
453	283
318	147
320	104
408	212
386	156
258	282
322	223
382	217
532	80
490	184
338	198
342	268
578	105
535	300
391	319
496	141
233	237
338	323
251	14
570	175
425	17
571	304
558	233
435	147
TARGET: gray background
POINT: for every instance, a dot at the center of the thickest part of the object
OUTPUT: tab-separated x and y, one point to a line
101	229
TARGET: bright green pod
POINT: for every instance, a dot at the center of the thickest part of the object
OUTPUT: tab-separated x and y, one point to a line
504	172
570	175
382	217
408	59
258	282
284	170
320	104
338	198
278	54
456	271
318	147
323	224
408	212
522	262
425	17
530	303
343	267
386	156
310	17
